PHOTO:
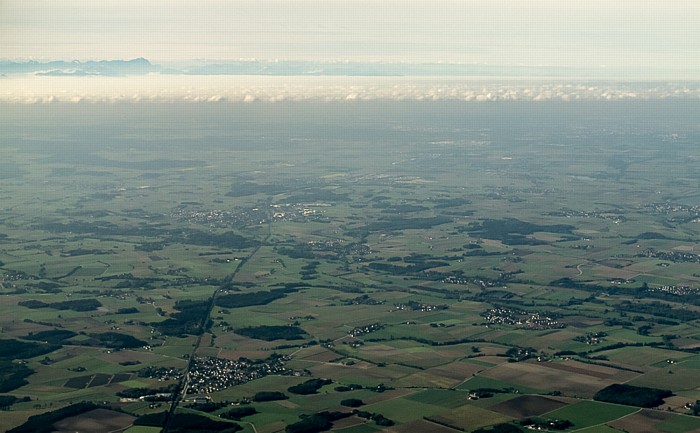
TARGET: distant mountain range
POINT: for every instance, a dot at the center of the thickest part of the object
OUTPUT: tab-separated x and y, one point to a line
142	66
138	66
283	68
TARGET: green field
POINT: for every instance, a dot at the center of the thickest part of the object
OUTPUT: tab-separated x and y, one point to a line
591	413
679	424
447	399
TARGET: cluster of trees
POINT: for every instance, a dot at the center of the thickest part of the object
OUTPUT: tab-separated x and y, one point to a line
317	422
210	406
473	252
620	345
407	270
44	423
311	386
8	400
513	231
350	387
188	236
263	396
222	240
300	251
15	349
251	188
238	300
489	392
500	428
239	412
271	333
397	224
541	424
12	376
646	292
442	203
398	208
85	252
149	247
138	283
187	320
47	286
102	228
308	271
695	409
417	306
187	423
142	392
75	305
352	402
53	336
115	340
658	309
643	291
431	342
378	418
517	354
632	395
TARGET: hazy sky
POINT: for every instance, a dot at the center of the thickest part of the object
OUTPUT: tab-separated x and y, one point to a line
629	34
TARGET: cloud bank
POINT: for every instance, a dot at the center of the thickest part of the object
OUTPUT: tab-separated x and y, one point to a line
652	39
287	68
23	89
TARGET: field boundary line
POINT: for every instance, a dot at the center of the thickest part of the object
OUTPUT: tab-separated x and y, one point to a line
251	425
604	423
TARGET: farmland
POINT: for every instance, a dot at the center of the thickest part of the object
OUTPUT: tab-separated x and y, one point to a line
445	264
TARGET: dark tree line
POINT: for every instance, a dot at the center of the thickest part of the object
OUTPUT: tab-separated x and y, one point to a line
632	395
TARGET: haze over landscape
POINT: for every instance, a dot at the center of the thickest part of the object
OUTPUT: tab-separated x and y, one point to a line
349	216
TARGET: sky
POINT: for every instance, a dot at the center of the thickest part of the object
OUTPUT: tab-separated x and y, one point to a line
618	40
631	34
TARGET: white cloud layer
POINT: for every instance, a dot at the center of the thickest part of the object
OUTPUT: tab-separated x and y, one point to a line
249	89
653	38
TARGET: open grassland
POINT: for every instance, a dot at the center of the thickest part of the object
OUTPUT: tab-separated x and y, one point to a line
403	410
526	406
679	424
469	417
590	413
96	421
442	398
669	378
579	383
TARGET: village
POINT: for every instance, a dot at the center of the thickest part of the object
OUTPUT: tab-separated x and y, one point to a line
521	319
208	375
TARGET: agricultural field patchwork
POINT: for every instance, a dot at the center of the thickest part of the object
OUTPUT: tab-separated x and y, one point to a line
362	268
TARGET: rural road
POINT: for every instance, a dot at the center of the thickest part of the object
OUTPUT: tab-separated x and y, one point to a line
182	392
